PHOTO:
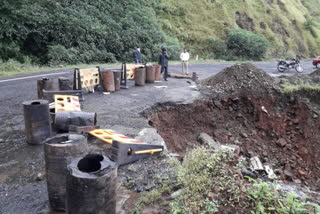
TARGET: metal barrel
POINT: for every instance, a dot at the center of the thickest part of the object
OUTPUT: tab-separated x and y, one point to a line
117	80
59	151
44	84
157	72
108	80
63	119
91	185
140	76
37	121
65	84
150	74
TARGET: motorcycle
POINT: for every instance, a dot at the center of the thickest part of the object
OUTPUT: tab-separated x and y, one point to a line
287	64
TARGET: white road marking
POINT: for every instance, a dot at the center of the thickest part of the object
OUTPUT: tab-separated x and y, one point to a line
30	77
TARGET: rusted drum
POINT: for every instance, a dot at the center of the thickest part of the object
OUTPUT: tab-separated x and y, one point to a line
150	73
140	76
108	81
157	72
44	84
117	80
65	84
37	121
63	119
59	151
91	185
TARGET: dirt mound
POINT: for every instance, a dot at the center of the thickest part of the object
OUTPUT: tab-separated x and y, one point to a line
239	78
283	132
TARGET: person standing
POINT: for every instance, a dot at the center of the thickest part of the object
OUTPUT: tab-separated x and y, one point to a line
184	56
138	56
164	61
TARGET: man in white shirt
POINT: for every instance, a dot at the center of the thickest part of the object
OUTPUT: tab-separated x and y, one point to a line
184	56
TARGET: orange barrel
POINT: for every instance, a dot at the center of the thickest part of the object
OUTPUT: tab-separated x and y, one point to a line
157	72
140	76
108	81
117	79
151	74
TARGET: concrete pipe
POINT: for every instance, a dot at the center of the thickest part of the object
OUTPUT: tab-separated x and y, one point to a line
44	84
150	74
140	76
59	151
37	121
65	84
108	81
63	119
91	185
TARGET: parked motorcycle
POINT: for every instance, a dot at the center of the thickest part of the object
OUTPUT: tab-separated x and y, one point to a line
287	64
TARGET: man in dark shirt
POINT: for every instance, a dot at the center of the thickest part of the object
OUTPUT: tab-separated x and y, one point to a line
163	61
137	56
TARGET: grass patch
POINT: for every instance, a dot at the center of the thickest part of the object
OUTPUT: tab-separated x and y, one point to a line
290	89
210	182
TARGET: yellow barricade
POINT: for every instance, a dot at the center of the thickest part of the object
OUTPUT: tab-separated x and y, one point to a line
86	78
66	103
131	70
107	135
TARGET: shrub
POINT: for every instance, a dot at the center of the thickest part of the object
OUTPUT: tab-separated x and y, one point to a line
247	44
215	48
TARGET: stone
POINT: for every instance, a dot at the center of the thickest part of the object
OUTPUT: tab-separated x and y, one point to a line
244	135
40	176
206	140
282	142
151	136
233	148
297	181
176	194
2	140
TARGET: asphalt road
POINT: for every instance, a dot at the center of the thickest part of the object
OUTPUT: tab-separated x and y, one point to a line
20	163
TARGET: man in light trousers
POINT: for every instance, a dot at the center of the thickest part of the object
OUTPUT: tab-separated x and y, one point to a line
184	56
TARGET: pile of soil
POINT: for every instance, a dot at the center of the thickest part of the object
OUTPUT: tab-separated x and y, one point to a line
240	77
282	130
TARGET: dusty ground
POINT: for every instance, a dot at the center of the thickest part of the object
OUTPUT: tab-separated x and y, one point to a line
121	111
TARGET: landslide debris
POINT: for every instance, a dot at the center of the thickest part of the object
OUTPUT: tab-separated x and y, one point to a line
240	78
281	129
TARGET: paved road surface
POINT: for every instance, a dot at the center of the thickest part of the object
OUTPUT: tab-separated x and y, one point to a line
20	163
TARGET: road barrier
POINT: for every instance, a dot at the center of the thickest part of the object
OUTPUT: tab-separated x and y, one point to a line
91	185
59	151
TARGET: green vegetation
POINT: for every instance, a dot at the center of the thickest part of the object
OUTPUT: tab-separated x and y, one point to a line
281	22
305	87
246	44
59	32
45	32
210	182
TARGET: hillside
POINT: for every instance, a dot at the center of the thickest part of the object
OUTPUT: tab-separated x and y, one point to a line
291	26
83	31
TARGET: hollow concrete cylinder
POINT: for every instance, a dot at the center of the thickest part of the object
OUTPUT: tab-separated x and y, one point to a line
117	80
150	74
59	151
108	81
37	121
63	119
44	84
140	76
65	84
91	185
157	72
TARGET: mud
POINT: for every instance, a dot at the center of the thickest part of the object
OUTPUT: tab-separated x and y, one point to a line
282	130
